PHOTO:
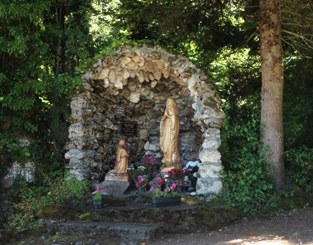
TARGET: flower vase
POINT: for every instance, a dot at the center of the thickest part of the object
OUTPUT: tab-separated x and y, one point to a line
97	204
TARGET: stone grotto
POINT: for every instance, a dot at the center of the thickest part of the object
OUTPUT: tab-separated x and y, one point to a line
124	95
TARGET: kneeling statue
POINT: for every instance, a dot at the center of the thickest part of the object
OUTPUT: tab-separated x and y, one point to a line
119	173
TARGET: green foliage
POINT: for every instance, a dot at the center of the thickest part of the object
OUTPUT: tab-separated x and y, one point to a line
69	191
297	32
172	22
300	162
164	194
192	28
235	73
30	201
22	222
246	180
40	51
298	110
14	151
298	115
97	196
247	184
140	170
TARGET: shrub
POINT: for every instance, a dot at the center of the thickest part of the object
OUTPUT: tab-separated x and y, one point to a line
249	187
21	222
70	191
247	184
30	201
300	168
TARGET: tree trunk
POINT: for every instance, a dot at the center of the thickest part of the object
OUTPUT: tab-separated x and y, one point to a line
272	87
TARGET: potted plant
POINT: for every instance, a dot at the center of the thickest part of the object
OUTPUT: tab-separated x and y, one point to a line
164	192
181	177
97	200
165	198
139	177
142	183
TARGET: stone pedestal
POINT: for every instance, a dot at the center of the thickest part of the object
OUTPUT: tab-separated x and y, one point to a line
117	177
111	187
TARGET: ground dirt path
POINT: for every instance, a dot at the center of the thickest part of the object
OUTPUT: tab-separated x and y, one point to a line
288	228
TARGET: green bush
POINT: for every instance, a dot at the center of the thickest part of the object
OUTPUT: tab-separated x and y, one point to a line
30	201
70	191
246	180
21	222
300	168
249	187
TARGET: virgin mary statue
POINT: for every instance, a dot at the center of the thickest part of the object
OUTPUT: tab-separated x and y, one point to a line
169	134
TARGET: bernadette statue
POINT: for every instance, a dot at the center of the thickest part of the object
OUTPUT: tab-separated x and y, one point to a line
121	164
169	136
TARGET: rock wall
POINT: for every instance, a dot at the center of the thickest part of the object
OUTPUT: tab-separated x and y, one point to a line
123	96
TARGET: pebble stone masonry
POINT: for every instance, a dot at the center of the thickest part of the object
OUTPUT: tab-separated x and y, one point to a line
132	86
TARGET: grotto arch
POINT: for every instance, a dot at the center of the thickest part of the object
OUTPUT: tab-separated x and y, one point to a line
127	91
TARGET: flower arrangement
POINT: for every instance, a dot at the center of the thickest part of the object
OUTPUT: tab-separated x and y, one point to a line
164	185
156	183
135	173
97	198
97	194
142	182
147	179
178	174
165	194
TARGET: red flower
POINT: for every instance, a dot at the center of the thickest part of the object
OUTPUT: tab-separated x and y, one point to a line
173	173
187	172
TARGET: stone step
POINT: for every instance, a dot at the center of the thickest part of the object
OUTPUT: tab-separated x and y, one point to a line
124	233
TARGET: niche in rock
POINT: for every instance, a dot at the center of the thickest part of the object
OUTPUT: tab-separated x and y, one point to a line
137	119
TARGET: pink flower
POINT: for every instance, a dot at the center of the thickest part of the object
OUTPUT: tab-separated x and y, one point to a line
173	186
140	178
98	190
160	181
137	184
